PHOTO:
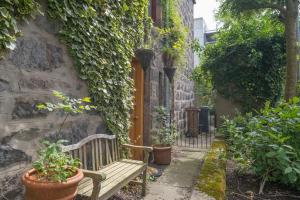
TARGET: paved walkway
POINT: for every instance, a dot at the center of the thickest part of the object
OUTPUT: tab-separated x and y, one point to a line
178	179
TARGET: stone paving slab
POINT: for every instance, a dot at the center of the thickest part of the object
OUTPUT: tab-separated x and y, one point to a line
196	195
178	179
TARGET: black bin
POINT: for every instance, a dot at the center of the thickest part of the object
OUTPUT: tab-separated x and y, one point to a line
204	119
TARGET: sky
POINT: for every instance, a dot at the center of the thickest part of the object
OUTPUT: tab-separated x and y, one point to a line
206	9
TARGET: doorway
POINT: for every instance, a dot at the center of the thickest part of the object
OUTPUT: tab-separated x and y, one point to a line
137	116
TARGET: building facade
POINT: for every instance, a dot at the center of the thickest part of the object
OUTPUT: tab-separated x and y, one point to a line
41	63
157	86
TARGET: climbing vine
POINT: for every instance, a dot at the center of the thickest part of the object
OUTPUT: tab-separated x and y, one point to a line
101	36
10	12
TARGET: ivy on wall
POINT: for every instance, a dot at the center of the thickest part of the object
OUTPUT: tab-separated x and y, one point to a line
10	12
101	36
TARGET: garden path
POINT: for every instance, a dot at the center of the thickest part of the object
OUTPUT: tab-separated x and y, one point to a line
178	179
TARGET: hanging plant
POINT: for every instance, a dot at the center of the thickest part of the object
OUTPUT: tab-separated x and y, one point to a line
145	52
174	35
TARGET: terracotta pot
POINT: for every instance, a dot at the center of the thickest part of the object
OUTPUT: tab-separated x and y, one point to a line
162	154
42	190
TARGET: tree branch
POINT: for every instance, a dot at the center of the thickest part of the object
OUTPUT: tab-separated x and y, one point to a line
278	7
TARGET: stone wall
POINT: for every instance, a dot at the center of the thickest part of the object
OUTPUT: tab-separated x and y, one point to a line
184	88
39	64
225	108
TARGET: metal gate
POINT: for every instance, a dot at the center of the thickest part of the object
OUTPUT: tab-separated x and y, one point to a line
200	131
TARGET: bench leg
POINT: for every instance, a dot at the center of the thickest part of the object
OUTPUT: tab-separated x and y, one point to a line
144	182
96	190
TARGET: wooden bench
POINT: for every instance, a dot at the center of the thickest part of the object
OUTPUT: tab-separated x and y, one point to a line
105	172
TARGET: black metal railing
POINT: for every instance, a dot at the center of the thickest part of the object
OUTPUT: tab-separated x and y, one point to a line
200	131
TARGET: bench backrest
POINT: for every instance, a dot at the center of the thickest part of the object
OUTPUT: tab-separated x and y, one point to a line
95	151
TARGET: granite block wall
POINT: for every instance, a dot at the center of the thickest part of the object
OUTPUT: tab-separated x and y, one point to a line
184	87
39	64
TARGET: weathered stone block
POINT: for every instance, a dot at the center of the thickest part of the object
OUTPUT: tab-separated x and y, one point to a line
25	109
4	85
36	54
35	83
8	156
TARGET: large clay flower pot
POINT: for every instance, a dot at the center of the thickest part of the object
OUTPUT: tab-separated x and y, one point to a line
43	190
162	154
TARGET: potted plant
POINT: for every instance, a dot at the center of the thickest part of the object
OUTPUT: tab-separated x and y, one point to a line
145	53
55	175
173	35
165	137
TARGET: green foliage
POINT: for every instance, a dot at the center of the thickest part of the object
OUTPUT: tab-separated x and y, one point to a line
269	143
247	61
204	90
102	36
67	104
174	33
236	7
212	179
53	165
10	12
167	133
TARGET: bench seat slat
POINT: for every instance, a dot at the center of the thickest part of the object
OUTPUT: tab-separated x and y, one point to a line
111	176
110	171
118	175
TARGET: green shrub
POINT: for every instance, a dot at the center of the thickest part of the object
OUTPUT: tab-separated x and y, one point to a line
247	61
268	143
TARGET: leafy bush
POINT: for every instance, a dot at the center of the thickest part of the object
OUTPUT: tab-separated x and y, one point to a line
167	133
247	62
269	143
54	165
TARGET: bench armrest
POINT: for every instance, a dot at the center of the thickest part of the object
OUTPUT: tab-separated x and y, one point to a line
97	177
146	150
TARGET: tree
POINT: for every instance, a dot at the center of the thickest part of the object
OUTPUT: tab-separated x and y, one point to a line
287	11
247	62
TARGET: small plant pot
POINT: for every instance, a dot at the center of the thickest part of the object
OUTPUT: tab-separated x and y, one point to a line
43	190
162	154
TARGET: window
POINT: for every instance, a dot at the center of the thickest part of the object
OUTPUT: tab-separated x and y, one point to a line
155	10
